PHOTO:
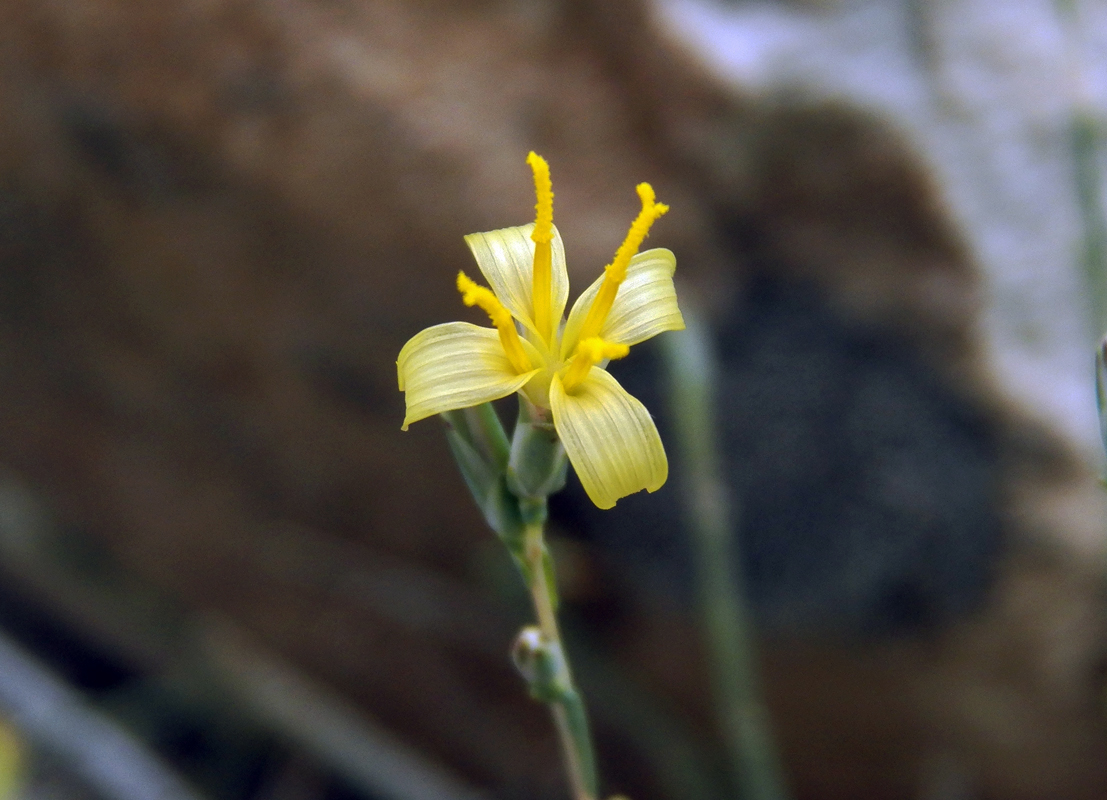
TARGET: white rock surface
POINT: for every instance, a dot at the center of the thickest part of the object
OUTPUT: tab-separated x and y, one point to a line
988	90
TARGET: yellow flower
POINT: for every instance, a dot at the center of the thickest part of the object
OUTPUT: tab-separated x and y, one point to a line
608	435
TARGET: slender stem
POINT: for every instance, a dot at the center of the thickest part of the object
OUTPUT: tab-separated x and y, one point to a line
540	588
569	715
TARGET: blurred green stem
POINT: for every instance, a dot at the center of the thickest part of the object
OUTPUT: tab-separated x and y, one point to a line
567	705
724	617
1085	149
1085	135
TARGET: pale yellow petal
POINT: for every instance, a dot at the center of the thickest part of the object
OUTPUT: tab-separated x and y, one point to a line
506	257
645	306
610	438
456	365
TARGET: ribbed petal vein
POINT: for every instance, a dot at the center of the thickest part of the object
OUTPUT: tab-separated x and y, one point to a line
645	306
456	365
506	258
610	438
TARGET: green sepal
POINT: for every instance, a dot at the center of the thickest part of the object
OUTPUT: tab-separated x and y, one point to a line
479	475
486	483
488	434
537	466
501	511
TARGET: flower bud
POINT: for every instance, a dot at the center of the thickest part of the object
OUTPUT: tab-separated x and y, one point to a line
542	665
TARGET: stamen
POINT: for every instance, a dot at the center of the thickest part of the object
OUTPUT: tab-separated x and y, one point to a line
543	190
541	236
475	295
616	272
590	352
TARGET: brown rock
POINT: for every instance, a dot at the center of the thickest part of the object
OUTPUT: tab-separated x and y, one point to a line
219	222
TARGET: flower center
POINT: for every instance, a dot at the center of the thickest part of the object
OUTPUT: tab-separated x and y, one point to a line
590	352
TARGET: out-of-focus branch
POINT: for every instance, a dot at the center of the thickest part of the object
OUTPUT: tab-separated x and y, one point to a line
724	618
93	746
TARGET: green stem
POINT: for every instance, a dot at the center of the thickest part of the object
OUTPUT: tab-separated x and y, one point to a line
1085	137
1085	140
569	715
724	617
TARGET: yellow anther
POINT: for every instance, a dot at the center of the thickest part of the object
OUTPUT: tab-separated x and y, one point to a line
590	352
474	295
541	235
616	272
543	191
639	229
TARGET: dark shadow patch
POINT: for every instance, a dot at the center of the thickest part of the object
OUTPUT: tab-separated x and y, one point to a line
142	163
867	490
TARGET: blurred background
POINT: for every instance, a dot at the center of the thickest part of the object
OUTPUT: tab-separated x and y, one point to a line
224	571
